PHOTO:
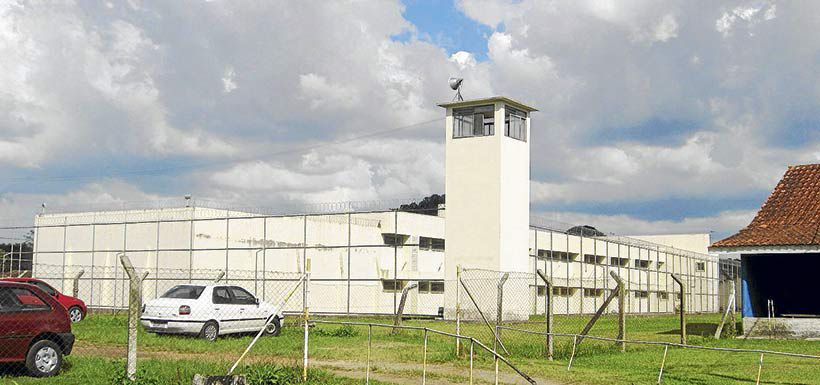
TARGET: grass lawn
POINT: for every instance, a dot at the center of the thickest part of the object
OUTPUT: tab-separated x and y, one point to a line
101	341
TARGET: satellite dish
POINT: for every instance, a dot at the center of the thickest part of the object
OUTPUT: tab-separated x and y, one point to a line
455	84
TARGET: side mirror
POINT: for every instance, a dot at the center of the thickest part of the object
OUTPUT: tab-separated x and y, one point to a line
256	301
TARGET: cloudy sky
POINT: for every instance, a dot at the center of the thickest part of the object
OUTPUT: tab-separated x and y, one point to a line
654	116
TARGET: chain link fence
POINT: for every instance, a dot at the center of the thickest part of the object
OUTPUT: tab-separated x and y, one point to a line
520	299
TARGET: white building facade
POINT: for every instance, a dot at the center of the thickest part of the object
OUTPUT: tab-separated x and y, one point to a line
359	261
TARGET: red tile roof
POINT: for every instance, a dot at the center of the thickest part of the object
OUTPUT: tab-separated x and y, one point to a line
789	217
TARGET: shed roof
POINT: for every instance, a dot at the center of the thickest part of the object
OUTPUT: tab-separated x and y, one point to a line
789	217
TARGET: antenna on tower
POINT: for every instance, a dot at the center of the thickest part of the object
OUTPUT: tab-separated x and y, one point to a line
455	84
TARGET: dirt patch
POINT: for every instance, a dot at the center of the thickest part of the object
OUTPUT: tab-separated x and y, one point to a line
400	373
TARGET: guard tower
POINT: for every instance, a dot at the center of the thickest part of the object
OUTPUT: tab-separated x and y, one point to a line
487	184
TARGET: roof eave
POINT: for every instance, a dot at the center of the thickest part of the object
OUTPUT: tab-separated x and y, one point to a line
492	99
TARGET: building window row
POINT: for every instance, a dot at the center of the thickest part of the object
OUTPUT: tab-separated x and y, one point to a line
434	244
557	255
641	264
619	262
393	239
431	287
425	287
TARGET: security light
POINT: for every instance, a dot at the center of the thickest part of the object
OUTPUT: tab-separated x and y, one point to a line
455	84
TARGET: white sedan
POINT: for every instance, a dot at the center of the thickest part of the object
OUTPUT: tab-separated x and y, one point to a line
209	311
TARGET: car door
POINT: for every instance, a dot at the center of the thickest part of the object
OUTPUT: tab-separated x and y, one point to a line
251	319
224	309
21	312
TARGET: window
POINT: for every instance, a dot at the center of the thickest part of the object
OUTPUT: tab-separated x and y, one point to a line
241	296
18	299
540	290
700	266
474	121
622	262
663	295
593	292
641	264
393	285
562	291
641	294
184	292
435	244
660	264
394	239
221	295
557	255
431	287
593	259
44	287
515	123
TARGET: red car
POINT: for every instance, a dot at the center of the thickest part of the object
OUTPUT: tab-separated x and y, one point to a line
34	328
75	306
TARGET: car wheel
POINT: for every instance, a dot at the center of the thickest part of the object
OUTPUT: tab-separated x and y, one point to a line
44	359
210	331
75	314
274	328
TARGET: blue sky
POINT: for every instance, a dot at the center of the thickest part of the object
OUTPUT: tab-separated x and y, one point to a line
654	116
441	22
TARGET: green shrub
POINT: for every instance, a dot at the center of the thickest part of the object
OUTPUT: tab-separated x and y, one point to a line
344	331
270	374
142	378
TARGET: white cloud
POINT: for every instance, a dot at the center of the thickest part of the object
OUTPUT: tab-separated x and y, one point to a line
463	59
750	14
229	80
319	93
722	223
638	100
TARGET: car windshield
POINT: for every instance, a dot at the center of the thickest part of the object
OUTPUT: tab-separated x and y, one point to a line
184	292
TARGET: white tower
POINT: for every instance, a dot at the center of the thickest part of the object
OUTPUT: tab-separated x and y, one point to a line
487	184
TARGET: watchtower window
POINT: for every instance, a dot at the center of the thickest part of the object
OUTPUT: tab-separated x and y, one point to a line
474	121
515	123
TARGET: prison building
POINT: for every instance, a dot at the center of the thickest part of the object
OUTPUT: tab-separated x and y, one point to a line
359	261
780	255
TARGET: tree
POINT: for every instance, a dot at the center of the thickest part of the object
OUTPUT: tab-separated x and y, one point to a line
427	206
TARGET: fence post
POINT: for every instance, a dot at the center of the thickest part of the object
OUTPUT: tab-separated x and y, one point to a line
369	348
400	312
547	312
219	276
458	310
306	311
621	310
677	279
76	289
133	315
663	362
424	361
729	312
500	304
759	369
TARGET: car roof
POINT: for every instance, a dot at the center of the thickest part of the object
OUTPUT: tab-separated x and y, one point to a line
15	279
5	283
208	286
